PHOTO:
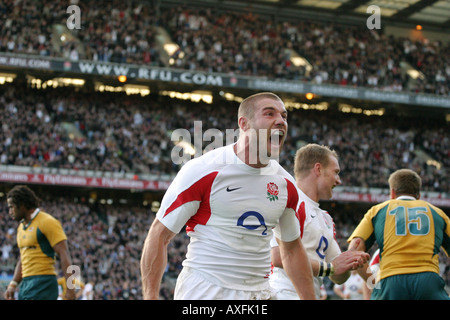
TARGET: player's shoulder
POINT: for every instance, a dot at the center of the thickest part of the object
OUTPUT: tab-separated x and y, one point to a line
380	207
437	210
204	164
283	172
282	176
207	165
317	214
212	159
45	216
46	221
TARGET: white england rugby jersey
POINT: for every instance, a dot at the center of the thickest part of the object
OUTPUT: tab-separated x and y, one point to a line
231	212
318	238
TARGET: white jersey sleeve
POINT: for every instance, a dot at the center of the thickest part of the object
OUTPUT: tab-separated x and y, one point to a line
289	226
186	196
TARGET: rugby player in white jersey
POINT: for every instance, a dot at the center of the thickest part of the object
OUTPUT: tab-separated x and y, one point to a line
316	170
232	202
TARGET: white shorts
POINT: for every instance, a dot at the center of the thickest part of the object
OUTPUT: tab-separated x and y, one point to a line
286	295
191	285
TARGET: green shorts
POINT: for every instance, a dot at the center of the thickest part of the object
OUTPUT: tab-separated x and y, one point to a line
414	286
39	288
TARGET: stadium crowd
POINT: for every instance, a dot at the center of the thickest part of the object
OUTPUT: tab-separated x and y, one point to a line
85	130
105	241
230	42
76	129
116	132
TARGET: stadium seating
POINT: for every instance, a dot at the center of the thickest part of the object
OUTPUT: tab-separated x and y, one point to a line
64	128
227	42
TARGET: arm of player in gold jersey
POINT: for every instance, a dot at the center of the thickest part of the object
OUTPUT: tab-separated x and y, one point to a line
17	278
62	250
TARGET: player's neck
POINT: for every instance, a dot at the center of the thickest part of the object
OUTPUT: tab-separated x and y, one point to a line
29	215
242	151
309	188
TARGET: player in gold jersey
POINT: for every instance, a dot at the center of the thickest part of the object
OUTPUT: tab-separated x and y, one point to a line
410	233
39	237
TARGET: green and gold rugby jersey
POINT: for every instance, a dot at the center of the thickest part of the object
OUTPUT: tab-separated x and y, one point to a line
409	233
36	241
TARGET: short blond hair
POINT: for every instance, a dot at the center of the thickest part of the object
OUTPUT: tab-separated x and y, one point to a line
307	156
405	182
247	106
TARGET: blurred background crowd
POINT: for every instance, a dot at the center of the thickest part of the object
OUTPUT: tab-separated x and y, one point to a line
228	42
106	243
119	133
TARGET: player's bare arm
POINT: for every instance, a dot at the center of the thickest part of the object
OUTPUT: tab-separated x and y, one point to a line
62	250
276	257
297	266
358	244
342	265
154	259
17	278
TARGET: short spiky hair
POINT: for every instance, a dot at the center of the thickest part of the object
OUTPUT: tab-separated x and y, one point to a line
246	108
310	154
23	195
405	182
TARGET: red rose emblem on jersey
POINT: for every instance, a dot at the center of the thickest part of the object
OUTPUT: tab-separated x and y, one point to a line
272	191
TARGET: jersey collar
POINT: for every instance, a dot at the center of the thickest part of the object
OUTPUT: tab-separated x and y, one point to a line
33	215
406	198
270	168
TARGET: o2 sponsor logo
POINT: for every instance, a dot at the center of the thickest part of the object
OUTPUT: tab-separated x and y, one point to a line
258	216
322	247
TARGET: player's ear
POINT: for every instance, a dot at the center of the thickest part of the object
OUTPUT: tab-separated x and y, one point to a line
243	123
317	168
393	194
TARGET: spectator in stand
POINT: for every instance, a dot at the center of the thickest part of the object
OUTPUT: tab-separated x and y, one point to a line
108	253
339	54
119	133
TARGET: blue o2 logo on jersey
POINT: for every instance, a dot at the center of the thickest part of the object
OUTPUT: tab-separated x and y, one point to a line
255	214
322	247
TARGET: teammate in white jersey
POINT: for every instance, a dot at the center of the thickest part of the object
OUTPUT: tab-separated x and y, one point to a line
232	202
352	289
316	170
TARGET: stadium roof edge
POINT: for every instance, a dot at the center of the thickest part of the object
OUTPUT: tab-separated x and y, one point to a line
348	13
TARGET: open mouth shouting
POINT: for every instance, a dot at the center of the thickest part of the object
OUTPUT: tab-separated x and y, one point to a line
276	137
275	142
